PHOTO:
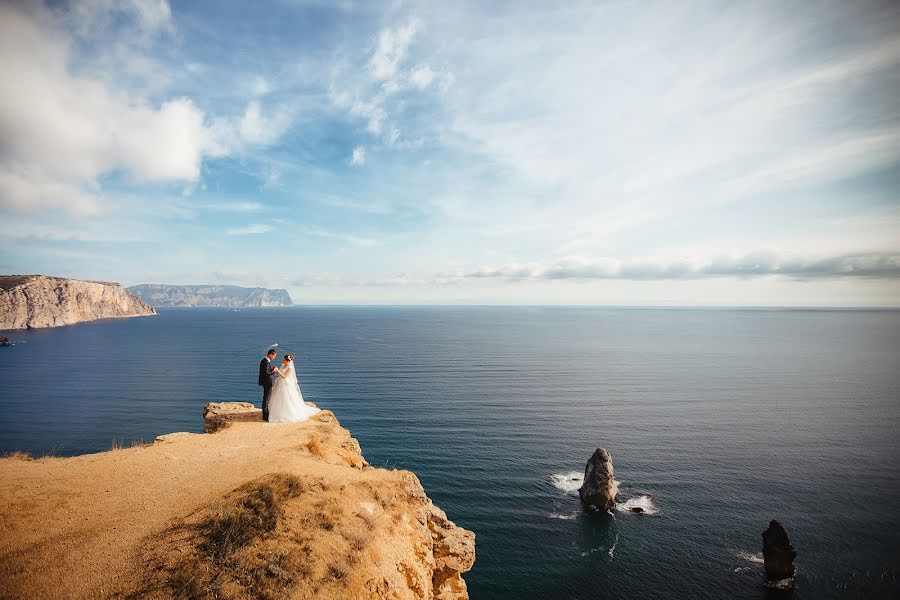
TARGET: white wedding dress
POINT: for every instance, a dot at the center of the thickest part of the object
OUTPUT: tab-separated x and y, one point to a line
286	402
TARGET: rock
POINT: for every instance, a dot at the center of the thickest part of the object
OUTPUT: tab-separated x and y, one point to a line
217	415
230	296
599	488
637	509
4	341
778	553
38	301
454	554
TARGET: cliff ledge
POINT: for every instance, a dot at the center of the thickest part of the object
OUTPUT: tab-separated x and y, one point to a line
255	510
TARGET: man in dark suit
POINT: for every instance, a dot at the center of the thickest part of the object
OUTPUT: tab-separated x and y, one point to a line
265	380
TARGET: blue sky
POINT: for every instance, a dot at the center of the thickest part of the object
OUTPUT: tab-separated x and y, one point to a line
690	153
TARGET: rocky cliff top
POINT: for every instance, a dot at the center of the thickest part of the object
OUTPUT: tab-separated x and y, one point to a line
230	296
35	301
255	510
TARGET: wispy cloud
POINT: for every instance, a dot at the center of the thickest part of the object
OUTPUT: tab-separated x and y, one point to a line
354	240
391	49
250	230
234	206
359	156
868	265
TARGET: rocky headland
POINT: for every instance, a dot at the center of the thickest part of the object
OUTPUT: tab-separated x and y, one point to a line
227	296
254	510
36	301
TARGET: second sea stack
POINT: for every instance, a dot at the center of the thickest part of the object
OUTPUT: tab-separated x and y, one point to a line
778	552
599	488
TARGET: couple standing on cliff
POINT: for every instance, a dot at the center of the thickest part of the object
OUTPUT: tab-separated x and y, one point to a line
282	399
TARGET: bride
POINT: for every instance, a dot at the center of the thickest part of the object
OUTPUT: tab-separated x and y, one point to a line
286	403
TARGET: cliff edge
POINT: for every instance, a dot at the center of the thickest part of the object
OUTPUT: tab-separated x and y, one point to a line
36	301
255	510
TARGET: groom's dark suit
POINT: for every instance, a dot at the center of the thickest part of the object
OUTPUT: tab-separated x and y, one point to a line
265	380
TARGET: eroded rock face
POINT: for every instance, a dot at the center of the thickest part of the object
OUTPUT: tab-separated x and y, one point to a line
217	415
37	301
778	553
599	488
454	554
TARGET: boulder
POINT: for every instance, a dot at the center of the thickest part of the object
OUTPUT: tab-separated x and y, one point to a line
599	488
778	553
217	415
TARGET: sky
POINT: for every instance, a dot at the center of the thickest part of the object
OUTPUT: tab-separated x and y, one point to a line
576	153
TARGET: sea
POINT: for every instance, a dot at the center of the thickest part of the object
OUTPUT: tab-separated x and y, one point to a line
718	420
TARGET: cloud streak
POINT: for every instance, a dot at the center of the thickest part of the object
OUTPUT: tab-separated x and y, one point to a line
863	265
250	230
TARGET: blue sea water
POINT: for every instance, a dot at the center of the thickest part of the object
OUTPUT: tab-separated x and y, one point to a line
717	420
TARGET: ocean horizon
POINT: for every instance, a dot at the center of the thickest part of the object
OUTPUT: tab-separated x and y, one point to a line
718	420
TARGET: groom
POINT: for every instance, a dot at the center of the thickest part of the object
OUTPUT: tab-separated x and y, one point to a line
265	380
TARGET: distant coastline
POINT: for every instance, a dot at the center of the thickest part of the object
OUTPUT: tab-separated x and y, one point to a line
202	296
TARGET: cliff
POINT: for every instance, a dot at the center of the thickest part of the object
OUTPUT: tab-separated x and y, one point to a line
230	296
36	301
255	510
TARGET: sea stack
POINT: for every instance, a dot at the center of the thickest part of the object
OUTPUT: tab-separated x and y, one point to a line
778	553
599	488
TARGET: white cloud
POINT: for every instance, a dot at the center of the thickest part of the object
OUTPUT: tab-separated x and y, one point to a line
250	230
62	132
359	156
421	76
256	129
391	49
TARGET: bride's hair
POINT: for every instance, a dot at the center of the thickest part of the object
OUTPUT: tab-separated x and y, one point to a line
288	357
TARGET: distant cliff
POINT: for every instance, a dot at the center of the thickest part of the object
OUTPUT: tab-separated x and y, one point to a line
36	301
230	296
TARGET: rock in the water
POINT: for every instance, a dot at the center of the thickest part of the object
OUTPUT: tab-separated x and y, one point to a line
637	509
217	415
599	488
778	553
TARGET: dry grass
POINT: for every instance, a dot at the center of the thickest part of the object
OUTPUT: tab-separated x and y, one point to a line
18	455
224	555
314	445
119	444
280	536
